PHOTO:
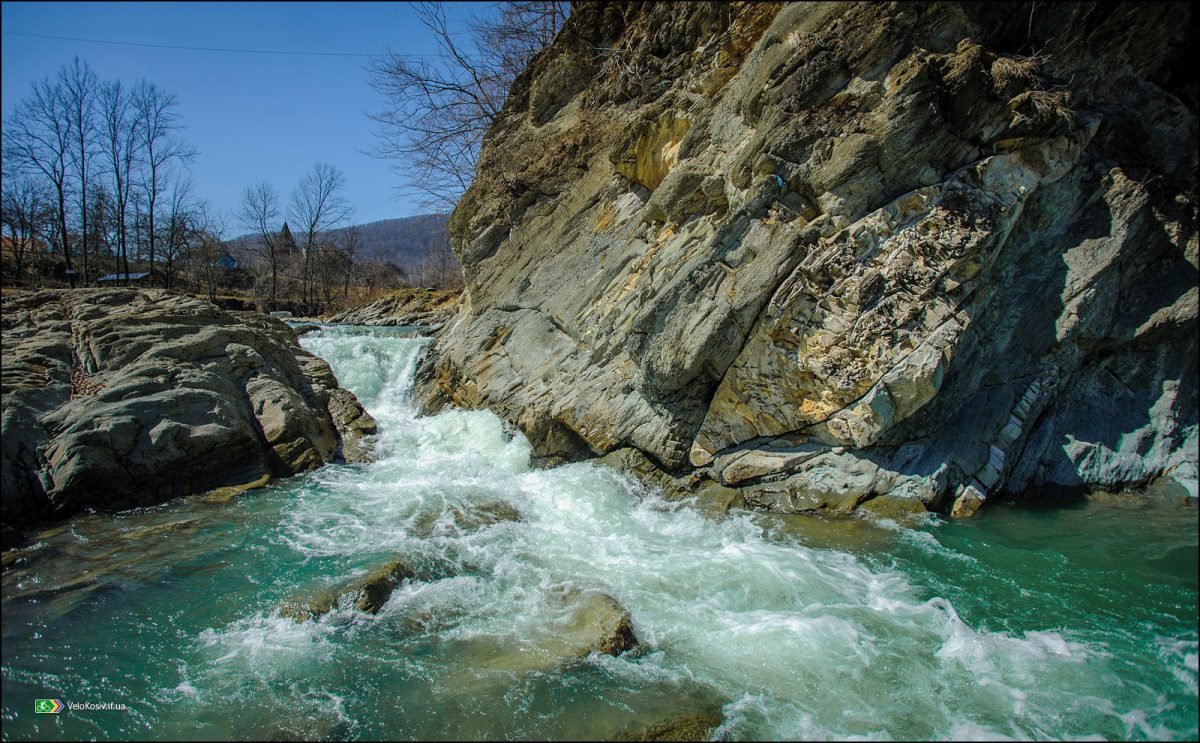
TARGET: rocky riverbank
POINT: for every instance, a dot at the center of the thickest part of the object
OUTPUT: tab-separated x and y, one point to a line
115	398
417	307
819	255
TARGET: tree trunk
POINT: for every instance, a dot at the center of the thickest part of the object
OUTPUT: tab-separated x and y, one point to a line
123	241
83	214
150	218
66	241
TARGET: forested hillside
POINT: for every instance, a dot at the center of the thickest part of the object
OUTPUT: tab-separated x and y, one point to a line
418	245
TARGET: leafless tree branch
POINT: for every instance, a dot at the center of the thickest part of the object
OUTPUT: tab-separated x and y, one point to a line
436	113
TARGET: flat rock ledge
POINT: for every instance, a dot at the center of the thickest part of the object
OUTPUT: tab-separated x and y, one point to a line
118	398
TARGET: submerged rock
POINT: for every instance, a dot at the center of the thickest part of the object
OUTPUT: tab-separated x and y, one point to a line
486	514
599	625
594	622
118	398
367	593
465	517
305	329
823	253
696	726
62	566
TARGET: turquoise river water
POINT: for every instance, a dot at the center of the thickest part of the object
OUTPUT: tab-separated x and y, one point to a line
1077	621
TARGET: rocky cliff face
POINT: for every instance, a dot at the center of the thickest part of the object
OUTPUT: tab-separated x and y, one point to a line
824	253
116	398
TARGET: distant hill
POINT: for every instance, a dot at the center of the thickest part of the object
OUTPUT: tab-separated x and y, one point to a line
407	242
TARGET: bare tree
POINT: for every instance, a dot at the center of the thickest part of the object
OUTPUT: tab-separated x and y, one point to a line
437	112
80	87
103	222
207	249
157	123
317	206
375	276
185	219
446	268
26	213
328	268
119	143
351	237
518	32
259	213
80	137
137	200
39	142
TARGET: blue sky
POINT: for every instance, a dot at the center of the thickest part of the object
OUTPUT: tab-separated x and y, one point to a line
250	116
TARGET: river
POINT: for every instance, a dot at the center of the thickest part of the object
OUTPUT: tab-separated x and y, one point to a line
1073	621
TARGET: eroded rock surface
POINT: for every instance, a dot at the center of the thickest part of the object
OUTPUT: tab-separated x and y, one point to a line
114	398
823	253
417	307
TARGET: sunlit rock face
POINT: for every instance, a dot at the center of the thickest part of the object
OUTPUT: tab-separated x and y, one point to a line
116	398
831	252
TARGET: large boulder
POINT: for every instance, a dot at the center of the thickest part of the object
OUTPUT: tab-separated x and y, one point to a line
117	398
827	252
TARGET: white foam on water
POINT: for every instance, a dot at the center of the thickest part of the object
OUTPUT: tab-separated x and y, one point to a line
929	543
327	703
966	730
268	645
808	643
1182	657
185	688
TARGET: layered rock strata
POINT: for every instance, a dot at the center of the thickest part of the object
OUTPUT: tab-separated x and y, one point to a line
822	253
117	398
417	307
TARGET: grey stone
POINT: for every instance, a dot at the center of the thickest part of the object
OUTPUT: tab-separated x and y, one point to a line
115	398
